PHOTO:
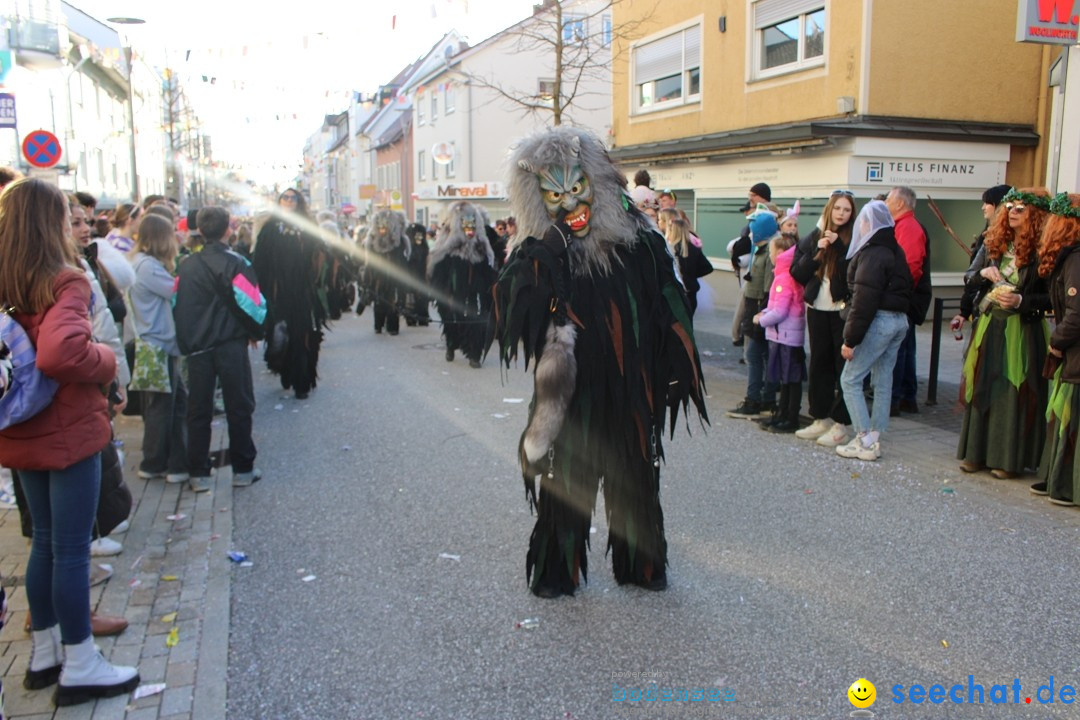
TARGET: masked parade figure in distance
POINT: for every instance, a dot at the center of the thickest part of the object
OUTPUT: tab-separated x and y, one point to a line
387	251
590	293
462	271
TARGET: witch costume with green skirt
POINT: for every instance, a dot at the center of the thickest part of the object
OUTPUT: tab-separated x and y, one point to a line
1059	476
1002	388
591	295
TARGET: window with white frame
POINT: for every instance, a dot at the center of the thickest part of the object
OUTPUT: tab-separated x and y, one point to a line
667	71
434	105
434	168
421	164
419	112
574	29
605	31
450	165
789	35
448	99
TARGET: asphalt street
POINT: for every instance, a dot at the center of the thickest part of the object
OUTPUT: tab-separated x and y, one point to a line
388	539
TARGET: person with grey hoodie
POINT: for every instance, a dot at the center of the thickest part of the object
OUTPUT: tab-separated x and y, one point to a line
164	413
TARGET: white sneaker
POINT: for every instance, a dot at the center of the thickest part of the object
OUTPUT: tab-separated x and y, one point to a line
105	546
815	429
836	435
856	450
121	528
174	478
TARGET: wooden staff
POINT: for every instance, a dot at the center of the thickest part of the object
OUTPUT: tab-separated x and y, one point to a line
941	218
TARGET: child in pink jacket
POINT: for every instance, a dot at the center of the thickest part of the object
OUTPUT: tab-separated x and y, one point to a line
784	320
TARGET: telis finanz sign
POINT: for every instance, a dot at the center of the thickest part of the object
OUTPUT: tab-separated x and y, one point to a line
1052	22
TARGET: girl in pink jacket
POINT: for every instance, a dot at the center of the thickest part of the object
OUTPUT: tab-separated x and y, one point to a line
784	320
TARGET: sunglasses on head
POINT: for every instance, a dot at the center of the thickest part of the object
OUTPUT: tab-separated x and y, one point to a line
1018	207
842	192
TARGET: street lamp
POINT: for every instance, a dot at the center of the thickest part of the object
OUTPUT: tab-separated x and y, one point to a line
131	104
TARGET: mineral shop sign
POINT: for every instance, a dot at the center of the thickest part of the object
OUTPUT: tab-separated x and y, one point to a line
1052	22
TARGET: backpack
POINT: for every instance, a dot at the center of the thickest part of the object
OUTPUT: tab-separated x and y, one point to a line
24	390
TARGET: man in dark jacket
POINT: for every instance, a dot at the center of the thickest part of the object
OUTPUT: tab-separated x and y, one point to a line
218	309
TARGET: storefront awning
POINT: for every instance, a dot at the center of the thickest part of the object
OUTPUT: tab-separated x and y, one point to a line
819	133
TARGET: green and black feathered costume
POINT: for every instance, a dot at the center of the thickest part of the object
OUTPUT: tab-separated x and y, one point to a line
612	314
461	269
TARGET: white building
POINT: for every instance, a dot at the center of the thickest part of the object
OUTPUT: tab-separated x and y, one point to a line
469	110
71	77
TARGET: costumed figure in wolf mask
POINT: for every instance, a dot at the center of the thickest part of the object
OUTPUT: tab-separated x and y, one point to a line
416	299
290	261
462	271
387	251
591	295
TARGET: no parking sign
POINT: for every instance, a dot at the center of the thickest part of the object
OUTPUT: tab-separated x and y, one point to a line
41	149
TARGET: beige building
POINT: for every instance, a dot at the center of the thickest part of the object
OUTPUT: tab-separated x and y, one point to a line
712	96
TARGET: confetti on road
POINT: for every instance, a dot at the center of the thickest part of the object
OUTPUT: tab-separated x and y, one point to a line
237	556
945	644
174	638
308	578
169	578
169	619
448	556
279	406
177	516
499	415
513	400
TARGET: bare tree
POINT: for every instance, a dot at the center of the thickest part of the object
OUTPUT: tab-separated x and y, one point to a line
581	46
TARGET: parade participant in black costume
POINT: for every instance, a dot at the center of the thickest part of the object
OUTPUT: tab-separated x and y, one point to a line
289	261
591	295
387	251
416	300
462	270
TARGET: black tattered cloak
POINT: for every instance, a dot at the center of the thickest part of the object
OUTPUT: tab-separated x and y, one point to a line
464	302
637	364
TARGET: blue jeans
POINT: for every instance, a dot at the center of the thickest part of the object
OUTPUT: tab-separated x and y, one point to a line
905	385
874	356
63	505
758	389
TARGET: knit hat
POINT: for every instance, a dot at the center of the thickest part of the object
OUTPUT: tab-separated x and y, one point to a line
763	226
762	190
995	195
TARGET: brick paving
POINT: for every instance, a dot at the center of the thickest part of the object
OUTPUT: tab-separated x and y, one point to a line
167	566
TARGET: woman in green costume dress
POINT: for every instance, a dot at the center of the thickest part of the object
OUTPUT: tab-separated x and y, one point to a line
1003	390
1060	261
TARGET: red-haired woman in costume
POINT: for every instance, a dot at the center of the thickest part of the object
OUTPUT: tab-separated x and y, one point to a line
1059	263
1003	388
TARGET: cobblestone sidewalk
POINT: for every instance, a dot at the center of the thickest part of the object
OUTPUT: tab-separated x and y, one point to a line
172	573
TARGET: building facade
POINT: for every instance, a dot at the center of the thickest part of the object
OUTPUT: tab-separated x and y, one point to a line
814	95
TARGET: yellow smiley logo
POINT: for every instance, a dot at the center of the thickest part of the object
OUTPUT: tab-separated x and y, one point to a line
862	693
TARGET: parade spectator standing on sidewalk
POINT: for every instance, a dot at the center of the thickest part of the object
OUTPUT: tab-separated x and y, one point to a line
821	265
760	393
877	321
1002	389
58	451
911	237
157	356
218	310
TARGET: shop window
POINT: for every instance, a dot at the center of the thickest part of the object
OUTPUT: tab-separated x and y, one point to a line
789	35
667	71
